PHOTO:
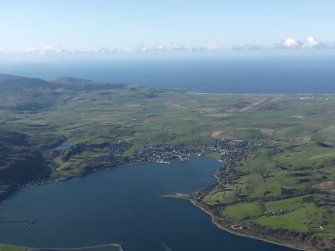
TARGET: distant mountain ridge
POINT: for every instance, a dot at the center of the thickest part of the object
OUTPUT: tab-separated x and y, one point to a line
16	83
29	94
62	81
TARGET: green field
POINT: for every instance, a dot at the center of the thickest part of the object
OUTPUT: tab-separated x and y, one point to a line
291	170
10	248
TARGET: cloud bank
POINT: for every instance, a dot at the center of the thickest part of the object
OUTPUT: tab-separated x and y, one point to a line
310	43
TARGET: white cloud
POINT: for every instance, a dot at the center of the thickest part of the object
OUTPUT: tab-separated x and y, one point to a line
290	43
247	47
49	50
31	50
171	47
311	42
55	49
100	50
141	48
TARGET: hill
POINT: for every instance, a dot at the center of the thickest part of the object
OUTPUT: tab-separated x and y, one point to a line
26	94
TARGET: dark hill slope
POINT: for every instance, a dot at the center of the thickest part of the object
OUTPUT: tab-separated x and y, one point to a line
15	83
26	94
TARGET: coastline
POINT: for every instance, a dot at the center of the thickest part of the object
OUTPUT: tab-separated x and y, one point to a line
225	228
67	178
97	247
229	230
305	246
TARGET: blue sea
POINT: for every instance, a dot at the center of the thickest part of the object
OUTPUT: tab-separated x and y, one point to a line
303	74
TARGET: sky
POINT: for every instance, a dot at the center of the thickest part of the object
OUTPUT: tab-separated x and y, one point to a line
109	26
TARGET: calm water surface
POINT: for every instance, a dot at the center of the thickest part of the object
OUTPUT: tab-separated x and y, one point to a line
215	75
125	206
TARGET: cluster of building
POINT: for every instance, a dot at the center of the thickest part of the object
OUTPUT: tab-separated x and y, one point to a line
162	153
111	157
119	147
230	151
275	212
238	227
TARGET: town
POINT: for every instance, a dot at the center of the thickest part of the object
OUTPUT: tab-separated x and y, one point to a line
228	150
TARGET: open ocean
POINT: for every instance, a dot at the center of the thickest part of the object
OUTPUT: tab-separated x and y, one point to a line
225	75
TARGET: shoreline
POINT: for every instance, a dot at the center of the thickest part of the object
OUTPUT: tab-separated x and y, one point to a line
251	236
240	234
48	181
262	94
111	245
76	176
226	228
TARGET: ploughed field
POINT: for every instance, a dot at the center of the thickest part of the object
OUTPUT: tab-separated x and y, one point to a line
286	182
